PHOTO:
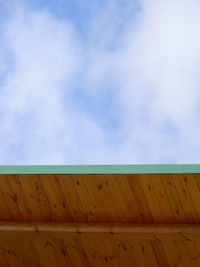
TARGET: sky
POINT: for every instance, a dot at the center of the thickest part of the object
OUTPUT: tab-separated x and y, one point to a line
99	82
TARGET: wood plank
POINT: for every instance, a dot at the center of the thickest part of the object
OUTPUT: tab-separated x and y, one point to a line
159	253
150	192
148	253
84	196
45	252
140	198
93	253
61	253
139	256
10	198
106	198
99	205
170	252
135	214
131	198
3	260
11	253
54	198
73	252
20	197
184	197
71	195
174	200
193	252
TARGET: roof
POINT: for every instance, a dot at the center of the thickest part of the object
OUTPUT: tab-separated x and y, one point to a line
100	169
119	215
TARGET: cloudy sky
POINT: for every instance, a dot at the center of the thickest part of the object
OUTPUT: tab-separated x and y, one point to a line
99	81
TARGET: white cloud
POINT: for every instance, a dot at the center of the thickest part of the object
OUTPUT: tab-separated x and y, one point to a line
168	53
157	68
150	62
37	126
163	58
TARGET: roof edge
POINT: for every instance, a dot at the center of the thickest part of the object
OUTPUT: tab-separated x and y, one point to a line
101	169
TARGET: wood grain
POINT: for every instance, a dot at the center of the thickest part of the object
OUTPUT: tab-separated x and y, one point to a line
100	220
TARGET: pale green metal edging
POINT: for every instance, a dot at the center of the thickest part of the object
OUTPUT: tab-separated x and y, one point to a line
100	169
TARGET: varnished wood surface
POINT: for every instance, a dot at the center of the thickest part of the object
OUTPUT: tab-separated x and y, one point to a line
184	232
101	199
60	252
151	198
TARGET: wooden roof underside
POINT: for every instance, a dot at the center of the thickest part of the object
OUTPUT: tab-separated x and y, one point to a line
100	219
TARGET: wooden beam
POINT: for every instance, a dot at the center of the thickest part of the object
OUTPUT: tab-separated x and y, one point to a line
99	231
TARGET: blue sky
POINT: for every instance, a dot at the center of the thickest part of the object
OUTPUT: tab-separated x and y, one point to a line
99	82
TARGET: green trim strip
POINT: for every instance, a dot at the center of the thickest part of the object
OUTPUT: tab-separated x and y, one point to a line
100	169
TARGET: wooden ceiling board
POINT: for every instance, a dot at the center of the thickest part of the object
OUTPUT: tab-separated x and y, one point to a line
100	252
126	198
96	216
